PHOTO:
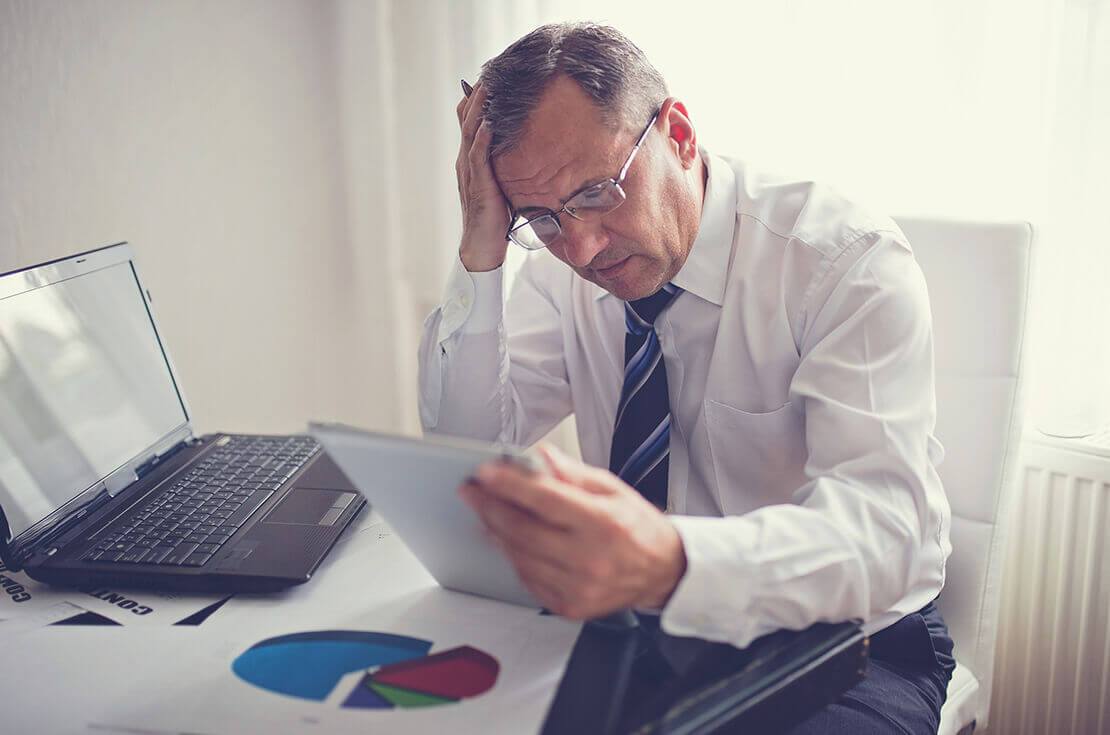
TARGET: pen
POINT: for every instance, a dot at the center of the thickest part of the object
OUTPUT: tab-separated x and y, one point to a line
467	89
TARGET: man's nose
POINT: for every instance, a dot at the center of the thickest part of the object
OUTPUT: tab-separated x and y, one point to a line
582	241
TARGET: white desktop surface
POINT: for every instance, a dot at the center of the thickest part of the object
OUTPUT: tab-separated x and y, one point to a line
172	679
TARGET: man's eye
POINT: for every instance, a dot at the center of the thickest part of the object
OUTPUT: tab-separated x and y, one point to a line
584	201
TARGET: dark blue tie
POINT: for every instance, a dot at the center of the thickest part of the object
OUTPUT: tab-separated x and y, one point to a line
642	431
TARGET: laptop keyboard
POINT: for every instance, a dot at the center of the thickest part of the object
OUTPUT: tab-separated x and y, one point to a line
186	524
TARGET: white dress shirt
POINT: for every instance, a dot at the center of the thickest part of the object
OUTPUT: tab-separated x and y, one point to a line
800	372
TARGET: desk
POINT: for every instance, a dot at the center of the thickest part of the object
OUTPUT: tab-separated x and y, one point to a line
555	676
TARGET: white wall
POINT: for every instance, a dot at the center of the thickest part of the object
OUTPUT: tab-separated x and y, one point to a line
210	135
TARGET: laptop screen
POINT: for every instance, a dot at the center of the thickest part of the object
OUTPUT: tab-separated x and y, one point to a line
84	389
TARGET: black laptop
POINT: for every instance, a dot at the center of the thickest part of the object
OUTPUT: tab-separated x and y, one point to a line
102	481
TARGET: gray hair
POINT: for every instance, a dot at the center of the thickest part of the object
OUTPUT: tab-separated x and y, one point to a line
607	66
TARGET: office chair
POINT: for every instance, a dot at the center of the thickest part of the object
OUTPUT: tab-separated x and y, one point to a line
978	278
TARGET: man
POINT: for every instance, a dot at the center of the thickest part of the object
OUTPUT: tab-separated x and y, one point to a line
750	357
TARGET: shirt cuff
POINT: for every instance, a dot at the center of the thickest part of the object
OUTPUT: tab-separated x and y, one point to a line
472	303
711	600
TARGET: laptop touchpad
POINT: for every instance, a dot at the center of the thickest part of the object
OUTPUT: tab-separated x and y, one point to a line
311	507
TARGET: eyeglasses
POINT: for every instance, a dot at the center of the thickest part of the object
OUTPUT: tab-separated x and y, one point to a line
586	205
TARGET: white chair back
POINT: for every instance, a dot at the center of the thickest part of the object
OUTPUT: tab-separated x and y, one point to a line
978	277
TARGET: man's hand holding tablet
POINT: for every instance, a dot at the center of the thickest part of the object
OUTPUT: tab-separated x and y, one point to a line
583	542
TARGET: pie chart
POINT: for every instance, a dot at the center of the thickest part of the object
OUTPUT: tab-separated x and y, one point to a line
399	671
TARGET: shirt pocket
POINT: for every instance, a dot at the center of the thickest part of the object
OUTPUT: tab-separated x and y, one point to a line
758	458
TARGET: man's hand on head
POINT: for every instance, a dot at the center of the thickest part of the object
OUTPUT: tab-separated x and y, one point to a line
582	541
484	209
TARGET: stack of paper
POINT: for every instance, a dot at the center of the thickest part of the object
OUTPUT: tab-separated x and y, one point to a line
370	644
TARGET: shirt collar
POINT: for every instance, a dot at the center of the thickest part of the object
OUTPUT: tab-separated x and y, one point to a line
705	271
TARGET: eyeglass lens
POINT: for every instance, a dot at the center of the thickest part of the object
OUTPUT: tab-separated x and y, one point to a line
588	204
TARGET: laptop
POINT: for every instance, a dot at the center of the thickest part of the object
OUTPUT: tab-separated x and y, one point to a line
102	480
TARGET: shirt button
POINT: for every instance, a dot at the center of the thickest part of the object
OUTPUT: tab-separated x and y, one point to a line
465	300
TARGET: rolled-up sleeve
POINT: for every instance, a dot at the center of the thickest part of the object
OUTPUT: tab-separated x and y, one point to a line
477	381
471	306
868	530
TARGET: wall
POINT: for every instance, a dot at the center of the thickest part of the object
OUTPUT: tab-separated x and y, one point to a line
211	136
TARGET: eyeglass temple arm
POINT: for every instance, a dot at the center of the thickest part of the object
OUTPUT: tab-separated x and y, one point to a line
636	148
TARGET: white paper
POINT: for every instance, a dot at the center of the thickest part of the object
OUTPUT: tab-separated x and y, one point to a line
55	613
531	650
181	680
143	607
61	679
20	595
176	679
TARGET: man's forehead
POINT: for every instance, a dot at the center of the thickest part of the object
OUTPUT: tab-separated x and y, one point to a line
565	145
550	164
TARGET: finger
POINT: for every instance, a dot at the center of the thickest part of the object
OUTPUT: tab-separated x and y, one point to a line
481	184
509	519
577	473
474	113
462	173
557	593
478	153
463	160
562	466
511	522
557	502
517	529
549	597
473	170
499	513
479	169
541	573
545	579
463	106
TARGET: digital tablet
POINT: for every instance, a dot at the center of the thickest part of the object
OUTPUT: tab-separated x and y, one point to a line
414	484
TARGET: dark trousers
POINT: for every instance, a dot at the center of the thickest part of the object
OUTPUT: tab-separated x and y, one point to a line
906	684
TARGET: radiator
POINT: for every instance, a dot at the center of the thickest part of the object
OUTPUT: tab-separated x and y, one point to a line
1052	667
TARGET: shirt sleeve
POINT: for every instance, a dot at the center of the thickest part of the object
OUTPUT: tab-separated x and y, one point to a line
489	369
870	525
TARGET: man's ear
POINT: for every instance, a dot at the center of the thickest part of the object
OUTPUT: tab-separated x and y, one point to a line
681	136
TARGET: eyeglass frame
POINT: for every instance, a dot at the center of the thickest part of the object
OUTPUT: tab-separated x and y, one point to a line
615	181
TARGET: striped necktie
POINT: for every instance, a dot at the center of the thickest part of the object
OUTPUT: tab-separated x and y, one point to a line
642	431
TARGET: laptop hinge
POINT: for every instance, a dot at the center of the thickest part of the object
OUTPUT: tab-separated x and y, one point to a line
143	469
32	545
